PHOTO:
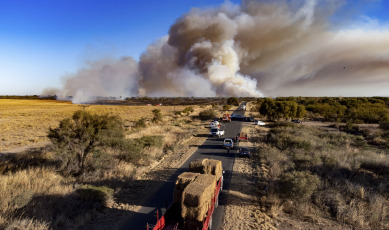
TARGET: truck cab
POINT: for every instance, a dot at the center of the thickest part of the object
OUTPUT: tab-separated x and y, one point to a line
228	143
216	131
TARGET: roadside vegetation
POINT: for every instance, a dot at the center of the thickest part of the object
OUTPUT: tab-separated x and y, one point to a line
315	174
93	158
356	110
67	163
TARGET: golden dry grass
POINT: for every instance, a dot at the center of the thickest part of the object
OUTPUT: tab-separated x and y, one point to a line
18	188
26	122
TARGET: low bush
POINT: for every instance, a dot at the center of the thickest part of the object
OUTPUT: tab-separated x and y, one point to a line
384	125
100	194
299	185
132	150
344	175
157	115
141	123
188	110
226	107
207	114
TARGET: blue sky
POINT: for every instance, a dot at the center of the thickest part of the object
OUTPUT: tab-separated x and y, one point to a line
43	40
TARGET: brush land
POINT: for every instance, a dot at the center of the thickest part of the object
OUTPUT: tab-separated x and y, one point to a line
329	172
319	174
37	194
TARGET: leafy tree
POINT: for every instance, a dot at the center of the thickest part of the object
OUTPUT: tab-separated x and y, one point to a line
233	101
268	108
300	111
78	137
157	115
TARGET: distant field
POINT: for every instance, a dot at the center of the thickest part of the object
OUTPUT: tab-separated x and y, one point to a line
25	122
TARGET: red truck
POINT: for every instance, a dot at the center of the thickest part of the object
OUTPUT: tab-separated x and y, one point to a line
172	219
241	137
226	118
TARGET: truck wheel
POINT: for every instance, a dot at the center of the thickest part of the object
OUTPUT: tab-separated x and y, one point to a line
210	224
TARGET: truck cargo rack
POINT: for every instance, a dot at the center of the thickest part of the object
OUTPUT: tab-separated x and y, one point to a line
169	220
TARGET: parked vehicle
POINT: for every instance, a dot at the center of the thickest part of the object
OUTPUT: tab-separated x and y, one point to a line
259	123
228	143
241	137
214	124
237	117
244	152
216	132
175	218
243	107
249	119
297	121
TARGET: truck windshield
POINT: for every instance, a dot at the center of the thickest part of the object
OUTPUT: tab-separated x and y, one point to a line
214	130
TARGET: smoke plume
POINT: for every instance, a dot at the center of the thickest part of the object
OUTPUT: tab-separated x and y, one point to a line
257	48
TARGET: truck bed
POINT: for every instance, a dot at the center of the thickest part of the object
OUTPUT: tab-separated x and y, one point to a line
172	220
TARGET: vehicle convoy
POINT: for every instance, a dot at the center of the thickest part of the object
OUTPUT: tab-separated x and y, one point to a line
216	132
228	143
226	117
196	195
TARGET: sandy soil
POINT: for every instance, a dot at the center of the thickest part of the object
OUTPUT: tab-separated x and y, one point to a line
243	210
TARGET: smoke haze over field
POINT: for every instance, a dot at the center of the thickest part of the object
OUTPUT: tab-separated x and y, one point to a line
258	48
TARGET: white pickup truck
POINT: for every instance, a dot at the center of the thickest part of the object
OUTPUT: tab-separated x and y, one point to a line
228	143
216	131
214	124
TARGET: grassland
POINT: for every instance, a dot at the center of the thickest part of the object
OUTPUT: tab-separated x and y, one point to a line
25	122
35	194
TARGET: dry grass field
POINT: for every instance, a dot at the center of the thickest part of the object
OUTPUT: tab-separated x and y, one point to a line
25	122
34	194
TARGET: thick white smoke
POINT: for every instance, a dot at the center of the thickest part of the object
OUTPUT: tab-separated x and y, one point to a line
103	78
278	47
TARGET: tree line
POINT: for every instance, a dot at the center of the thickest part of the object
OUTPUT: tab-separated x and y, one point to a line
337	109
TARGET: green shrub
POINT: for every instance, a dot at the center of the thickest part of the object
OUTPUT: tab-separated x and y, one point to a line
141	123
298	185
384	125
329	161
304	161
77	138
132	150
226	107
157	115
233	101
100	160
207	114
188	110
101	194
